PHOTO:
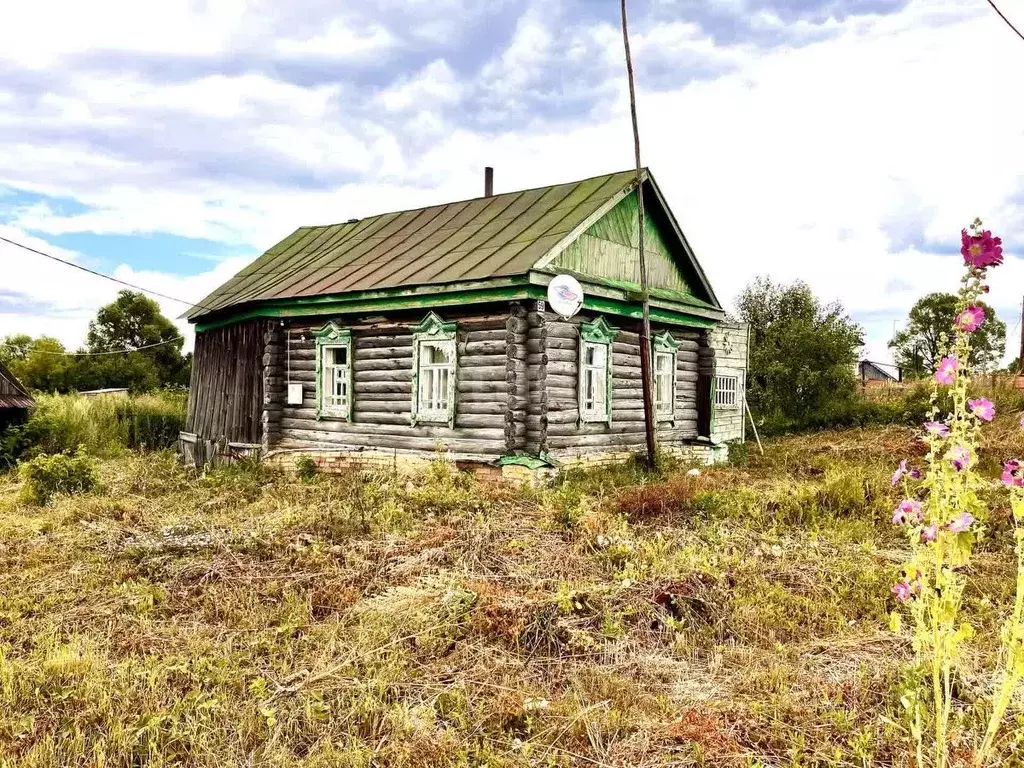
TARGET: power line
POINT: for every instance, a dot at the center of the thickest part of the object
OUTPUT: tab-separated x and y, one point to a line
100	274
1003	17
91	354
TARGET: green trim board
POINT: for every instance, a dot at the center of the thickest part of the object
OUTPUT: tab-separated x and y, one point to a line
598	334
332	336
433	331
662	311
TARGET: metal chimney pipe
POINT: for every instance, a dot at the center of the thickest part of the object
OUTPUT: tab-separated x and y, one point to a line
488	181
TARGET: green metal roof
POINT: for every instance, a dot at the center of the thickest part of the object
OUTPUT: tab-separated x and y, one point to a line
484	238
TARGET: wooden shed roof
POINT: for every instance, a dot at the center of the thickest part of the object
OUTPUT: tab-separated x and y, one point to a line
12	394
487	237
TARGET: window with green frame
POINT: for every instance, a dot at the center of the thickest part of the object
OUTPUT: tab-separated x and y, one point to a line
665	348
595	371
333	372
434	369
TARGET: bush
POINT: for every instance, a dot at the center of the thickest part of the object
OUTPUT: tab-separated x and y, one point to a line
106	426
48	475
306	468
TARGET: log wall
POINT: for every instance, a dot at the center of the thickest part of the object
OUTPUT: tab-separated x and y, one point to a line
729	342
490	386
225	401
564	435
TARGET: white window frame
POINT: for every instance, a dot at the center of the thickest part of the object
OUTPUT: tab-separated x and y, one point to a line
433	332
665	409
596	335
665	347
727	398
329	338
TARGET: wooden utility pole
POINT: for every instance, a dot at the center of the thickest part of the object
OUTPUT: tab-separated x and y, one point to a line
645	326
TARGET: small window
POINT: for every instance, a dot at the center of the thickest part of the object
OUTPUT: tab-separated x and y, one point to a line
595	382
726	391
595	371
664	383
333	372
434	368
436	380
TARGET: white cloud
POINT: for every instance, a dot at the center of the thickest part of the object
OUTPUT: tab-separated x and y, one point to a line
803	161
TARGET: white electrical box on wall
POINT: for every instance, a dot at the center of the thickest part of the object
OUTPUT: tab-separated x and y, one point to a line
295	394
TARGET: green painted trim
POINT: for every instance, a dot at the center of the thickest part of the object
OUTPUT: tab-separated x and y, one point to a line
601	333
661	311
432	329
336	305
525	460
331	335
665	342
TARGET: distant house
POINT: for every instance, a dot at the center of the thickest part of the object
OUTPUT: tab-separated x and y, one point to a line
425	330
108	392
874	374
15	401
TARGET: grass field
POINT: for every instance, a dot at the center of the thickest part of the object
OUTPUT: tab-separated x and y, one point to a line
248	618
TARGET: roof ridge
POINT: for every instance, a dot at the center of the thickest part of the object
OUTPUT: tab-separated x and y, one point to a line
473	199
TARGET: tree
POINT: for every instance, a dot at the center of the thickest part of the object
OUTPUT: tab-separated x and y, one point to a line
132	321
802	352
44	366
917	348
14	347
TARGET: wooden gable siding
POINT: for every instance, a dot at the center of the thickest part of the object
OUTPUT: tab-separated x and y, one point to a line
609	249
491	390
559	431
226	390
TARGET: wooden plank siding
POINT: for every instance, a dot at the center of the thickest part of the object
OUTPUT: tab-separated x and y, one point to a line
490	386
226	390
563	435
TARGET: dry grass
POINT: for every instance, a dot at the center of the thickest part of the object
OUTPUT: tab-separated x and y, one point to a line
246	618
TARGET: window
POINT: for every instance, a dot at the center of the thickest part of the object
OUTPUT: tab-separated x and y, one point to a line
726	391
595	371
434	366
437	371
664	383
595	381
665	348
333	372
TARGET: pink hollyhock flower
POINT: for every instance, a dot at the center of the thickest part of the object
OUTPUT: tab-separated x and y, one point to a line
938	429
908	511
962	523
1012	475
982	408
960	457
929	533
970	319
902	591
981	250
946	372
1022	420
902	472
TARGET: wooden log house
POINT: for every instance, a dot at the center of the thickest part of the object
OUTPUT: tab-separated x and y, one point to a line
15	401
427	330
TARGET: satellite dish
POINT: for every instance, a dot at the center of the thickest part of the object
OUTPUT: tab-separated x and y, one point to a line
565	295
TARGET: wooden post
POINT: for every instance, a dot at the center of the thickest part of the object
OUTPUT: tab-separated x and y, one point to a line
645	327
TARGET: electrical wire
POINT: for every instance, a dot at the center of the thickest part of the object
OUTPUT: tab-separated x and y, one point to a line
100	274
1003	17
29	349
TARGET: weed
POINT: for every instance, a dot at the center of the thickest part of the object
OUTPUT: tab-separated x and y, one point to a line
48	475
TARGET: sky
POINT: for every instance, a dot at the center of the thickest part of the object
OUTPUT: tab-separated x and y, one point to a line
840	142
